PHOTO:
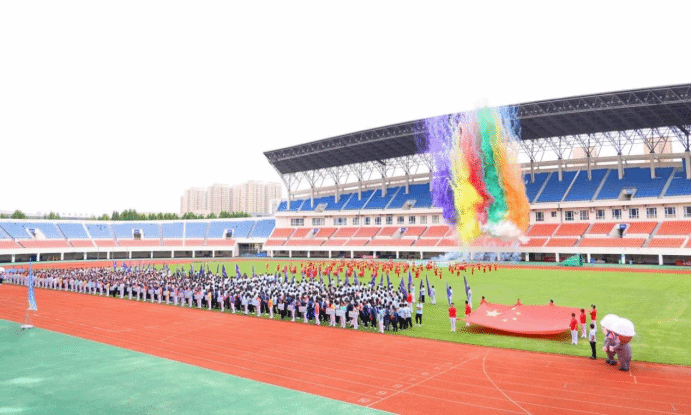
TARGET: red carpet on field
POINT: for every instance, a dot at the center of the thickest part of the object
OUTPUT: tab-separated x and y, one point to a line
523	319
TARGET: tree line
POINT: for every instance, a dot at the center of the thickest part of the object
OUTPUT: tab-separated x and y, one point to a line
133	215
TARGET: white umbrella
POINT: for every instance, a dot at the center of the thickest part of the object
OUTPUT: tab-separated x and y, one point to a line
608	320
2	269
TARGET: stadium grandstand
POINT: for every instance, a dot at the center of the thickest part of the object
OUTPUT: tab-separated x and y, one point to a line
607	177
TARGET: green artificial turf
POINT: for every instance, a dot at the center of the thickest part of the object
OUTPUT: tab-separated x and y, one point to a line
43	372
658	304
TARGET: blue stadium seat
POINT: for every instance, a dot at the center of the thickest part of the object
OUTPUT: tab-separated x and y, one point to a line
339	204
379	202
125	230
679	185
263	228
295	206
172	230
73	230
241	229
20	230
315	202
418	192
533	188
555	189
638	178
196	229
583	188
355	204
99	230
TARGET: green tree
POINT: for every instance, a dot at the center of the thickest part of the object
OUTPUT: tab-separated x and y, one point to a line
18	214
212	215
104	217
115	215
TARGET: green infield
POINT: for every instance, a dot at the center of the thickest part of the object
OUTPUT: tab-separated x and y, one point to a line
51	373
657	303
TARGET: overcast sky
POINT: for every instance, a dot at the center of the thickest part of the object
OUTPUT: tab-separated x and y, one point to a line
114	105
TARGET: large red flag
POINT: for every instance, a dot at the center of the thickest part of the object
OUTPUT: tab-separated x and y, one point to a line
524	319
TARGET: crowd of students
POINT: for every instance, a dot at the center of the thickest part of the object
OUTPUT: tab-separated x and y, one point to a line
332	302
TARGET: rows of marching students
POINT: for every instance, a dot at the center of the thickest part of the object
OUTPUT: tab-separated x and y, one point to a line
312	298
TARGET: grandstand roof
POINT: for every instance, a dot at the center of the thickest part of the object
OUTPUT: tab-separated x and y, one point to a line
664	106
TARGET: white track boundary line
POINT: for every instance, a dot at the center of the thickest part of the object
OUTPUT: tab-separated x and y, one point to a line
501	391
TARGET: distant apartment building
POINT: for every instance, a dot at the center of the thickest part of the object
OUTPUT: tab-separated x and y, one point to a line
252	197
194	200
256	197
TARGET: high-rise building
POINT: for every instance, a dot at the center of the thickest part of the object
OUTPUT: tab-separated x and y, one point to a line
256	197
219	198
252	197
194	200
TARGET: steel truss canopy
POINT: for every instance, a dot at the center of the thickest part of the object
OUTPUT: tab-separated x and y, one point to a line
632	110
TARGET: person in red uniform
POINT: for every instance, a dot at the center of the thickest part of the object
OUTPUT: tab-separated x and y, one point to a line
518	302
483	300
573	328
468	313
453	317
582	322
593	313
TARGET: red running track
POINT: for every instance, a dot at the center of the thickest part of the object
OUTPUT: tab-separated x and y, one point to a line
392	373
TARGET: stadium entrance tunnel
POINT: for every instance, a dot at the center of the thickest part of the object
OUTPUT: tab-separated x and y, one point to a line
182	254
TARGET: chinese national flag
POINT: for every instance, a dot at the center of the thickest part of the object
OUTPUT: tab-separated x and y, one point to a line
523	319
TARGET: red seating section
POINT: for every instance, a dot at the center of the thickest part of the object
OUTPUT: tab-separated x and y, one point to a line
8	244
139	242
542	229
571	229
44	243
674	227
357	242
105	243
415	230
366	232
194	242
345	232
427	242
601	228
220	242
448	242
274	242
666	242
436	231
82	243
641	227
388	231
391	242
335	242
535	242
612	242
562	242
325	233
282	232
304	242
301	232
172	242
